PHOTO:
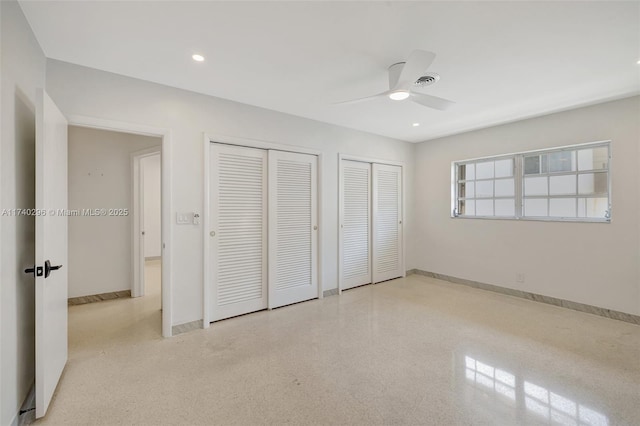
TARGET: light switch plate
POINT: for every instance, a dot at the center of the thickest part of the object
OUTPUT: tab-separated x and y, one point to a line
184	218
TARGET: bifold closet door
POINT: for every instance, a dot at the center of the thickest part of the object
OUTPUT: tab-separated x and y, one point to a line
293	230
355	223
387	222
238	230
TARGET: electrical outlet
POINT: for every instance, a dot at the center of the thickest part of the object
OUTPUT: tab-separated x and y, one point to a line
520	277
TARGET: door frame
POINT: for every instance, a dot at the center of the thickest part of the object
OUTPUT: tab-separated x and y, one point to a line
167	200
208	139
137	213
341	209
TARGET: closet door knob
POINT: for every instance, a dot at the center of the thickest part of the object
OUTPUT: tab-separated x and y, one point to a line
212	233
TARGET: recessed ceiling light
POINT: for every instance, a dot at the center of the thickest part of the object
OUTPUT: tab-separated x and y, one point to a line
415	124
198	58
638	62
399	95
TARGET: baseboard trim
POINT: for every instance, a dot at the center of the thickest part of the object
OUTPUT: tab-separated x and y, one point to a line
582	307
332	292
186	327
123	294
153	258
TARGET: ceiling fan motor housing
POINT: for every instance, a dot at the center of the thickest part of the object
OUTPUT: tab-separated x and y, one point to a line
427	80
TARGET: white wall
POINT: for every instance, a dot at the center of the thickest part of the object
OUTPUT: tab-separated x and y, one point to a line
590	263
84	91
152	205
100	255
22	65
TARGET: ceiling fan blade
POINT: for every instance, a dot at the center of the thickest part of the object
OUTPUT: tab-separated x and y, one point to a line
368	98
414	68
431	101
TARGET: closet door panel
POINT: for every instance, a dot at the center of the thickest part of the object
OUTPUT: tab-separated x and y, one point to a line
238	230
293	233
355	223
387	222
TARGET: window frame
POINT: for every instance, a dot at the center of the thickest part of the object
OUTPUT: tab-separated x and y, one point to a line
519	181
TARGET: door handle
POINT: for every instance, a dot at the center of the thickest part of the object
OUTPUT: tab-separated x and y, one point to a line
36	271
48	268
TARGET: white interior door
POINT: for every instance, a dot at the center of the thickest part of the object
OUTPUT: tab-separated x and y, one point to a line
51	249
238	230
137	289
355	223
147	222
387	222
293	230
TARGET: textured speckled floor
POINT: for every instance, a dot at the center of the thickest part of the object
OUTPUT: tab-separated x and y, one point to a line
408	351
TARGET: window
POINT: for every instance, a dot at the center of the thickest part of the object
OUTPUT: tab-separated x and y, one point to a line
569	183
487	188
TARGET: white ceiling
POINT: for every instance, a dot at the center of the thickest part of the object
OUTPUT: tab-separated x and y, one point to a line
500	61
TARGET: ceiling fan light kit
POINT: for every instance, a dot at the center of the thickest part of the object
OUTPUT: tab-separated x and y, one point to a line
405	76
399	95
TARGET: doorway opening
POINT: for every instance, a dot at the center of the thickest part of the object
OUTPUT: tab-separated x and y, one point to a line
146	171
115	233
91	187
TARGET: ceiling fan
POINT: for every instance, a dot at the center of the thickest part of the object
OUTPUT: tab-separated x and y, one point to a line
404	77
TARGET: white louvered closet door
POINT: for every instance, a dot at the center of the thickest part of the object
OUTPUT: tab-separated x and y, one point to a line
387	222
238	230
355	224
293	231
